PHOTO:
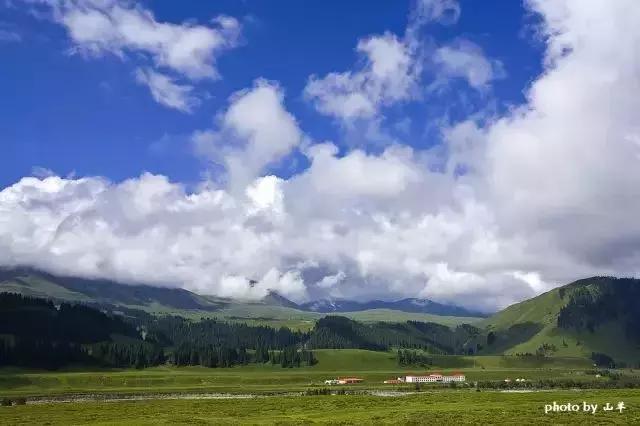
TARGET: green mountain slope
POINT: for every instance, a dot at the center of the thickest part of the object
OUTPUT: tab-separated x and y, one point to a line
274	310
596	315
39	284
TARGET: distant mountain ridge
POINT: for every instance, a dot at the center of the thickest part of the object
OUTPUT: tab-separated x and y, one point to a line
591	317
414	305
32	282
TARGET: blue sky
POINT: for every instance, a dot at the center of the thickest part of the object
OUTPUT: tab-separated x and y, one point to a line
86	115
475	153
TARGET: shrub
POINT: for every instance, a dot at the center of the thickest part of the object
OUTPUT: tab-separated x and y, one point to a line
5	402
20	401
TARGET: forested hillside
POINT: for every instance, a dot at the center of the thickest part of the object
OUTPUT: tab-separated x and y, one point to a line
591	317
37	333
343	333
594	318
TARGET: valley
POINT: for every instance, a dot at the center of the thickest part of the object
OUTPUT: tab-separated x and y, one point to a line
167	349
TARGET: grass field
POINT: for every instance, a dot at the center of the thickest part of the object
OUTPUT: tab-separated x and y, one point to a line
443	407
194	395
373	367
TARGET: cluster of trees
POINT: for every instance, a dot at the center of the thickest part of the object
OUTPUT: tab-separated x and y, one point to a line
603	360
602	300
291	357
219	357
37	333
39	319
127	355
209	356
546	349
343	333
627	382
40	354
178	330
411	358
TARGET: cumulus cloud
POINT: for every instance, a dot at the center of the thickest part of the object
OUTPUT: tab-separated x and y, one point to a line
390	68
465	59
254	132
388	76
167	92
123	28
389	73
505	209
142	230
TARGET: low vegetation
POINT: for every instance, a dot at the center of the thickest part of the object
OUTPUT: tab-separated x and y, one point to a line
444	407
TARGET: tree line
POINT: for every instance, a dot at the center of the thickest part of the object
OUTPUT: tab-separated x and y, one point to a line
602	300
38	333
343	333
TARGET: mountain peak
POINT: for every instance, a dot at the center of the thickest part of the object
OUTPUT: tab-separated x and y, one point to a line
276	299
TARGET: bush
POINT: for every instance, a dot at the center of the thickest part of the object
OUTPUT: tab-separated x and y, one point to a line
5	402
20	401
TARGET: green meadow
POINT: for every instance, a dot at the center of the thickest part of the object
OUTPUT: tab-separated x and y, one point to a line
266	394
373	367
443	407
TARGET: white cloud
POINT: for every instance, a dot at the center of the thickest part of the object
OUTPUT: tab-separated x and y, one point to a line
465	59
549	192
118	27
390	70
253	133
126	29
330	281
388	76
443	11
167	92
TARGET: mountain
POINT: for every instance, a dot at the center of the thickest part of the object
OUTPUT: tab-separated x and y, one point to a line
276	299
274	309
599	314
424	306
30	282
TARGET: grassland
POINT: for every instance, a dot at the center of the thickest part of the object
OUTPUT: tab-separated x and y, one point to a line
279	316
373	367
443	407
170	395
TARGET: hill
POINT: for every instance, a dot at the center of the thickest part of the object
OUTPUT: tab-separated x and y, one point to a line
37	333
424	306
34	283
598	314
274	309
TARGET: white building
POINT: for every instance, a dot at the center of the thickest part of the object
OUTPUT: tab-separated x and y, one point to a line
459	377
431	378
436	378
